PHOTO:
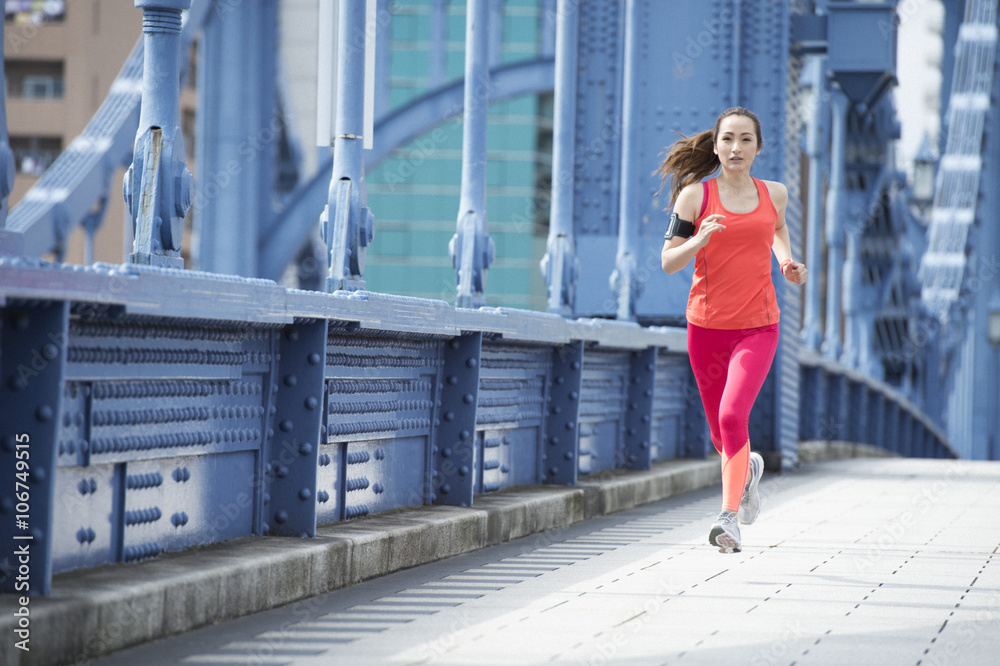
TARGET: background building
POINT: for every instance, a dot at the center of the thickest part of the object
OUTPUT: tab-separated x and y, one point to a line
61	59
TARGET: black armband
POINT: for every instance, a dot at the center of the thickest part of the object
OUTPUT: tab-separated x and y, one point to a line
678	227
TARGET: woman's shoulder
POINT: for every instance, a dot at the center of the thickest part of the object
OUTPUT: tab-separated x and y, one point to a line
690	200
777	191
695	188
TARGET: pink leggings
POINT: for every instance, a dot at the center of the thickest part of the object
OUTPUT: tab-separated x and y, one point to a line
730	367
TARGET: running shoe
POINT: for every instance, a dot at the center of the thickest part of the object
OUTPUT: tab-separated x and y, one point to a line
750	504
725	533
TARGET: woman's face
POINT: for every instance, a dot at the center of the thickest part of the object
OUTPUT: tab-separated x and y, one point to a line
736	144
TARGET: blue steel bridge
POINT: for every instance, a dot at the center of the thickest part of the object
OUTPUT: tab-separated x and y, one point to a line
149	395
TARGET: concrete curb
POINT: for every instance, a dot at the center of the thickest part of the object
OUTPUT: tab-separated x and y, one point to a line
94	612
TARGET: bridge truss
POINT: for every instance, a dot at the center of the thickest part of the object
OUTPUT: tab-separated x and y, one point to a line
167	408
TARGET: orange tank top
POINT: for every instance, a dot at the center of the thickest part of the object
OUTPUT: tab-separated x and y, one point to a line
732	287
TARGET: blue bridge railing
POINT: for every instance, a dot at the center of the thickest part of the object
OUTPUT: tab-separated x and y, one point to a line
157	422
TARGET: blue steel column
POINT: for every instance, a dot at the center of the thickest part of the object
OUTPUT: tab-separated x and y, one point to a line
32	361
471	248
157	186
560	267
560	455
7	167
812	335
835	210
623	278
292	450
453	451
639	410
347	222
237	136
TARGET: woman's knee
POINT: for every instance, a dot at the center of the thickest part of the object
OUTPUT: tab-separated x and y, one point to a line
733	423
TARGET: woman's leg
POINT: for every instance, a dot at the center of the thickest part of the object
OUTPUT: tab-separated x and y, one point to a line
709	351
749	363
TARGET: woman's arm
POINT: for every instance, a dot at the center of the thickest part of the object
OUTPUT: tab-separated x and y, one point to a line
677	252
782	245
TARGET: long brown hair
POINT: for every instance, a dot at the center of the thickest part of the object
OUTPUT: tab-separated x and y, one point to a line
692	158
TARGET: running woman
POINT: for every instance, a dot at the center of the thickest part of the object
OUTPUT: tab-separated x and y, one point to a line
732	310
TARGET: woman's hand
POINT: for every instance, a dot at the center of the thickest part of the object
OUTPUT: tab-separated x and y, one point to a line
795	272
709	226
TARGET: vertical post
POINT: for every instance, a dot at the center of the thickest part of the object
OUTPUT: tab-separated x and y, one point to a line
158	184
32	362
639	410
623	278
559	458
835	206
237	136
560	266
292	452
471	248
816	135
7	167
851	298
809	412
696	438
453	451
347	222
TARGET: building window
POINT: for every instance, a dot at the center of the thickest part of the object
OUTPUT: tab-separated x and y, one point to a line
34	79
35	11
34	154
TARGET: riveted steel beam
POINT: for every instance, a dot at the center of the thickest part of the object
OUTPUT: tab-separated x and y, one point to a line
453	451
32	365
562	424
292	452
639	409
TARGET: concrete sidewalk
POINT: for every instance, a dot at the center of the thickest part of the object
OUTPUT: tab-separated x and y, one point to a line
98	611
865	561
